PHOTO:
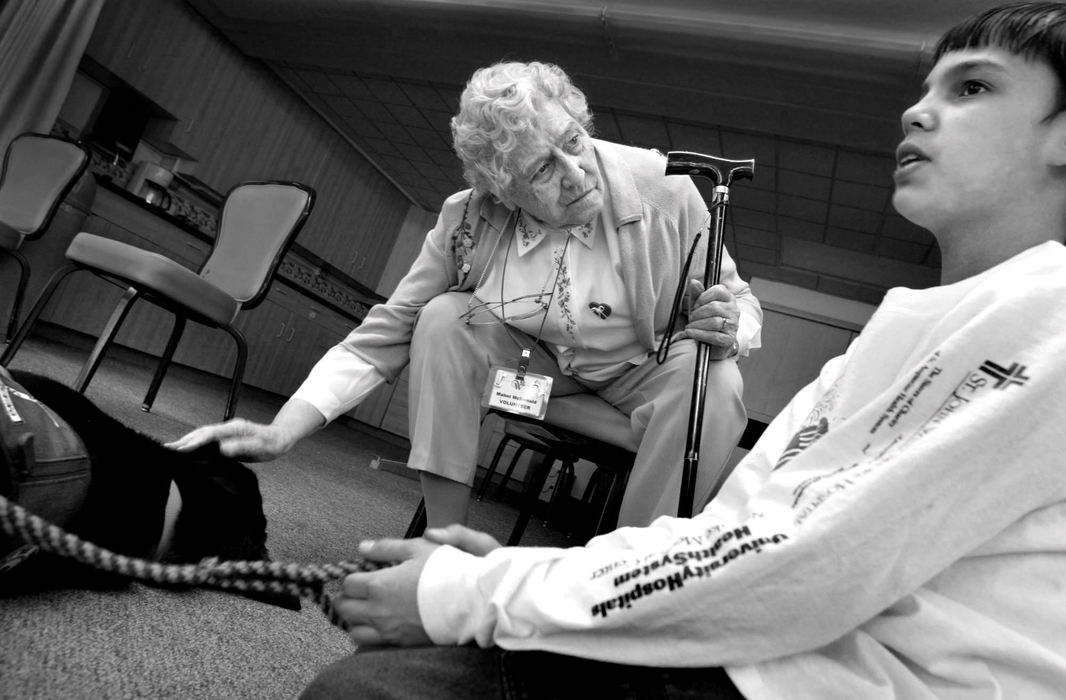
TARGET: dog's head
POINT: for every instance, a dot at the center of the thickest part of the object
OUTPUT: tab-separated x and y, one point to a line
221	507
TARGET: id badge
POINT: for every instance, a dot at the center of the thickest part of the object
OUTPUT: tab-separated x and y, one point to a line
523	397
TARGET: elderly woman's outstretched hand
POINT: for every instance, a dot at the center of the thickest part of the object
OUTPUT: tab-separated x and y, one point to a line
381	607
238	438
256	442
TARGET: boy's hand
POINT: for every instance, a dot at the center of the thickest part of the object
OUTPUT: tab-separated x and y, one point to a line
713	319
464	539
381	607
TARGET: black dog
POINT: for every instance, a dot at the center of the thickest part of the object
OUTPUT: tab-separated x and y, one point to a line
124	510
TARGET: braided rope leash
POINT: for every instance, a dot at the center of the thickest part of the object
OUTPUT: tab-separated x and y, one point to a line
302	580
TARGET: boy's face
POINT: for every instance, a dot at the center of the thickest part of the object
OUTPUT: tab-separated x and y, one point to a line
977	140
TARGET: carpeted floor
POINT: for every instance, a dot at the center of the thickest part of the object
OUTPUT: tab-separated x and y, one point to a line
144	642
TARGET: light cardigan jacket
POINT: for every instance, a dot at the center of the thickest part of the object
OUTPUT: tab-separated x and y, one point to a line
657	217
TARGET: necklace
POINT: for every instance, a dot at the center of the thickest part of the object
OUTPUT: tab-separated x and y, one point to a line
538	298
517	226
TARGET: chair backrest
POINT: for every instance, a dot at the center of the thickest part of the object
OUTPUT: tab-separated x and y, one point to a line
257	225
39	171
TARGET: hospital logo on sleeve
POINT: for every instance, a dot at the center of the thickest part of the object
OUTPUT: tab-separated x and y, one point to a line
803	439
1005	376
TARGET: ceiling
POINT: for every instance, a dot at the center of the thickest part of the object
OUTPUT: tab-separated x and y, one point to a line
811	89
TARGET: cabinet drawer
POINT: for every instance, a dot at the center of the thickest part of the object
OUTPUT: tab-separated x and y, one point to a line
395	418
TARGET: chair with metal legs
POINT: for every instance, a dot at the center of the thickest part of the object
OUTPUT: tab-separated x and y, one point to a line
39	171
581	426
256	226
525	437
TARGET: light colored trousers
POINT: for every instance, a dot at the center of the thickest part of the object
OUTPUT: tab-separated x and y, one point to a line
450	364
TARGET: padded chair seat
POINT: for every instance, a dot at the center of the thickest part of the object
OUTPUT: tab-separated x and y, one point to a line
591	416
162	275
526	431
9	237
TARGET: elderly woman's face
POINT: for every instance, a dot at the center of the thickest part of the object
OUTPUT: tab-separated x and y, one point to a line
557	178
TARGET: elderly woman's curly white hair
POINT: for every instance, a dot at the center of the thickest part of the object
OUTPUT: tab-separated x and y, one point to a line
497	107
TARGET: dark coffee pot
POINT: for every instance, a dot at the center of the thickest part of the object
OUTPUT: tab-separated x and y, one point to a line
155	194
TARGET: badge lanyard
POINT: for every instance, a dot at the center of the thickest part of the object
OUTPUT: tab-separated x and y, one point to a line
526	354
508	390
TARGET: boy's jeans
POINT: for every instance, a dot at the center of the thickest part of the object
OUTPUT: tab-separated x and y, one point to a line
468	672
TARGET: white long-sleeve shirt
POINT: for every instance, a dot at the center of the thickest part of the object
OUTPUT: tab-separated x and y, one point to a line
898	532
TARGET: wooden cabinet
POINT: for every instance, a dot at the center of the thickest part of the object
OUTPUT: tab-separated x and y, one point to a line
269	329
793	351
209	349
386	407
280	341
371	410
395	419
287	334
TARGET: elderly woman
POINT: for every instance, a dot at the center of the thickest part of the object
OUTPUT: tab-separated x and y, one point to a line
567	247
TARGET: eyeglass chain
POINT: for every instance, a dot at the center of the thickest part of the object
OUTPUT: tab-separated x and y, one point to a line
509	232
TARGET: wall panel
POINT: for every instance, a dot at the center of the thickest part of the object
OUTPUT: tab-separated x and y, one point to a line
241	122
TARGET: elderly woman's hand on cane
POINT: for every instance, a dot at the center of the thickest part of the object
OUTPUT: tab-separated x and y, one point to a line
714	319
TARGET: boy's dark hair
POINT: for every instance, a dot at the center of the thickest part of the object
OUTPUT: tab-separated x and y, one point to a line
1035	31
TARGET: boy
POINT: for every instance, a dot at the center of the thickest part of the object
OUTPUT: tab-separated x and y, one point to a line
900	529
